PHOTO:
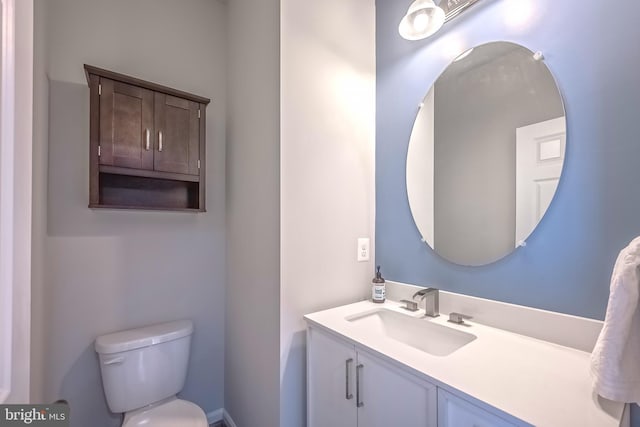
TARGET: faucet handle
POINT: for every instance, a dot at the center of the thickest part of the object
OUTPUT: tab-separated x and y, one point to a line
410	305
458	318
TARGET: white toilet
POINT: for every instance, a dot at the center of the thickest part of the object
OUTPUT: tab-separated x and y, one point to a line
143	369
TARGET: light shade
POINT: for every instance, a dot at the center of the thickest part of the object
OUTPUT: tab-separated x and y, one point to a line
422	20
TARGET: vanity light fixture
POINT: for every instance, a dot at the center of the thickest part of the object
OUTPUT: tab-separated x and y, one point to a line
422	19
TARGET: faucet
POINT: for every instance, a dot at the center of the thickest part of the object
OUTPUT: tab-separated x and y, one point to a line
431	303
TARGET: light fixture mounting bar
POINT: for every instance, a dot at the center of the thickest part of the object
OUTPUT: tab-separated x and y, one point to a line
453	8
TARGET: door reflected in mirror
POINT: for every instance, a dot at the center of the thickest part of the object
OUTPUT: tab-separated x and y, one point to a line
486	153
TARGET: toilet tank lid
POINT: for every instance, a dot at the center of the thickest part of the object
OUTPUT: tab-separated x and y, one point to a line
132	339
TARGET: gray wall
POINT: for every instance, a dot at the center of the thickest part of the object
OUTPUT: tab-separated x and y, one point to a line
110	270
252	341
479	103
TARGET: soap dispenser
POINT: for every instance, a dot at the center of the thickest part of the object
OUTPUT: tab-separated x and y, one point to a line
379	292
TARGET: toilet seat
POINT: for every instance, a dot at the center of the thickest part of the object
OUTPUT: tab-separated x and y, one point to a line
172	413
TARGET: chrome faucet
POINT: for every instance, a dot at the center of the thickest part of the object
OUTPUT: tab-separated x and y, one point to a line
431	301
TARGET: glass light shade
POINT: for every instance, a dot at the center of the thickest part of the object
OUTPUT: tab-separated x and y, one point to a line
423	19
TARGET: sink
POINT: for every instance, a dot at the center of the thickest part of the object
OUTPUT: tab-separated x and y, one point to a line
419	333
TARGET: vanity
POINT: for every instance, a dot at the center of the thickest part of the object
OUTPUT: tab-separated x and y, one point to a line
371	365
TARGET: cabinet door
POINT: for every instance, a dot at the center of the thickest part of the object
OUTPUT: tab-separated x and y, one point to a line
456	412
388	397
126	125
178	135
330	381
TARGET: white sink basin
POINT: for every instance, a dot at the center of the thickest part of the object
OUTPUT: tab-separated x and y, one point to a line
419	333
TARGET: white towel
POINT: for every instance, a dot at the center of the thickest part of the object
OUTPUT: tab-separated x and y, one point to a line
615	361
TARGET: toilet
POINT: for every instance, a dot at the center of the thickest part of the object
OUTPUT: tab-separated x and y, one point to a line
142	371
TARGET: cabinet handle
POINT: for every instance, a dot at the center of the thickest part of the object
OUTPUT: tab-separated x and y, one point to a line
359	403
347	395
159	140
147	136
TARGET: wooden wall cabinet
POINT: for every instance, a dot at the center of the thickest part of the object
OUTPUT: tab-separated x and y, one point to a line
147	144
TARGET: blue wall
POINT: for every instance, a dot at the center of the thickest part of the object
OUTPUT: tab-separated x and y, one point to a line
592	51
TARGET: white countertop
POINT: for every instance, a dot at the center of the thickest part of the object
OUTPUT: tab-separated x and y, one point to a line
541	383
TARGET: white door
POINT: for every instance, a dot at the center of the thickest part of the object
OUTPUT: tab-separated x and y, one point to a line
16	144
331	393
540	151
456	412
388	397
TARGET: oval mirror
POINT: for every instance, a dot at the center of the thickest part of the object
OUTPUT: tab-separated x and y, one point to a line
486	153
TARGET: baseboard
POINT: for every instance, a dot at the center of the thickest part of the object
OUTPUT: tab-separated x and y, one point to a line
215	416
220	415
228	420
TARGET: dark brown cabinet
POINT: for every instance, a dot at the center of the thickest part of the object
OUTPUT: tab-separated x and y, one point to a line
147	144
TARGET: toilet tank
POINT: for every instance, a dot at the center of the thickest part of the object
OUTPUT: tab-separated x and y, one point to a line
145	365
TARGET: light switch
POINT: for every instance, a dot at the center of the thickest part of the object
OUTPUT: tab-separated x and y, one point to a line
363	249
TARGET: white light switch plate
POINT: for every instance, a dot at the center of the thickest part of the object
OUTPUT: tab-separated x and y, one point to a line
363	249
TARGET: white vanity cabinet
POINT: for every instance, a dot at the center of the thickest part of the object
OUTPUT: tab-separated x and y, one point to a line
351	388
410	371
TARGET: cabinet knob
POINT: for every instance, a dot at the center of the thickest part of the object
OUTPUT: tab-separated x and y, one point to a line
159	140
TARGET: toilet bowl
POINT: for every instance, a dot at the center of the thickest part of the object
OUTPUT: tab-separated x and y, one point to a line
142	371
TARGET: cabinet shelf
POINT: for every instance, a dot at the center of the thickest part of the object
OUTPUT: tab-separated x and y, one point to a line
124	207
140	192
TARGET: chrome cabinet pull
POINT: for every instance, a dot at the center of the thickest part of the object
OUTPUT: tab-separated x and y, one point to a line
147	136
348	395
159	140
359	403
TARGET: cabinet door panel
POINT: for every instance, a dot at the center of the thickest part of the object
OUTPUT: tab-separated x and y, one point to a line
126	121
329	377
456	412
391	398
178	130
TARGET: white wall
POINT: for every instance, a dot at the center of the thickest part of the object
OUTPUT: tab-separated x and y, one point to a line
253	216
327	171
110	270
